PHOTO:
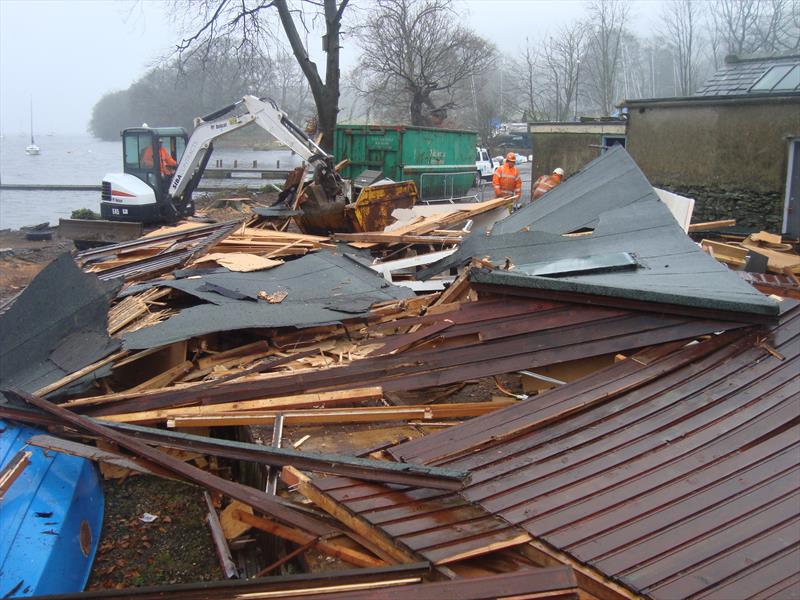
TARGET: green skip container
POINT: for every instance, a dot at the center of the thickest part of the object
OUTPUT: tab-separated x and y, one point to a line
440	161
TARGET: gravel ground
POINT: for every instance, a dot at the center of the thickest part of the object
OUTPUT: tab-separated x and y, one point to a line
175	548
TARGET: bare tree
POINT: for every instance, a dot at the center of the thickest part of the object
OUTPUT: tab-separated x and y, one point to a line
291	84
563	53
529	89
679	19
744	27
251	22
607	20
780	28
737	24
415	50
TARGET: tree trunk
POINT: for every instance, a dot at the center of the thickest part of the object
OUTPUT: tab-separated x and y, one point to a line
417	102
326	94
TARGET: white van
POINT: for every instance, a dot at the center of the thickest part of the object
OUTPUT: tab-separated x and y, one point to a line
484	166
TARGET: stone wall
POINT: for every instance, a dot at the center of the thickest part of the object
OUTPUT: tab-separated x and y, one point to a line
753	211
724	145
570	151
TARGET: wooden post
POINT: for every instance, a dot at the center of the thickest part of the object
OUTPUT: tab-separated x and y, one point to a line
220	543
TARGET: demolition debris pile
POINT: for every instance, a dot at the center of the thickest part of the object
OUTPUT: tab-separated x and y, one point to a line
576	399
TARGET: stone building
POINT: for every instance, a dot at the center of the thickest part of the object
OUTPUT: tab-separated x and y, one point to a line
571	145
734	146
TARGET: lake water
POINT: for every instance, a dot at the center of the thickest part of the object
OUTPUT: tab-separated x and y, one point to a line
76	159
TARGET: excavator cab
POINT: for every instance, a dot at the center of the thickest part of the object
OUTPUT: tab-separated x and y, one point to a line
129	200
143	157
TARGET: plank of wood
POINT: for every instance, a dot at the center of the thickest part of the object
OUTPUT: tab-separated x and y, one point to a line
231	525
101	455
370	470
14	469
164	379
258	500
256	348
220	543
711	225
66	380
777	262
354	557
765	236
368	414
398	344
392	238
344	515
469	548
282	402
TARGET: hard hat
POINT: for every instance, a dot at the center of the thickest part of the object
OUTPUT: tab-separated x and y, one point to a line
559	171
511	157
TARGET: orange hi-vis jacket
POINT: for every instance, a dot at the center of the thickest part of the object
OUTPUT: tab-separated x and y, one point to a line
506	180
168	163
544	184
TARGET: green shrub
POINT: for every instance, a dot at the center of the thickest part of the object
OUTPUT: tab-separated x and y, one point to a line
85	213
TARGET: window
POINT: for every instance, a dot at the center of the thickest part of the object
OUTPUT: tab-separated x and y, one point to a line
135	145
611	140
791	81
778	78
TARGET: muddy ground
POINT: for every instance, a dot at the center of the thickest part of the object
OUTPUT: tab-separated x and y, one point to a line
21	260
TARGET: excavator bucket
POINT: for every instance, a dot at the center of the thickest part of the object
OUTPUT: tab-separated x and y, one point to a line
372	211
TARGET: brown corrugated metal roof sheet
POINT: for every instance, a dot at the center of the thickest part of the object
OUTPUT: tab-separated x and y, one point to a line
439	527
684	485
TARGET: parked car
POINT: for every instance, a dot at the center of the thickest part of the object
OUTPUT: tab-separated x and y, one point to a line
521	158
484	165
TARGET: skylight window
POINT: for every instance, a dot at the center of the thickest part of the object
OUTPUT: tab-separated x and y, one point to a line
779	78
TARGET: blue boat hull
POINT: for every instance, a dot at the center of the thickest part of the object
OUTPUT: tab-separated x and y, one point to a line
50	519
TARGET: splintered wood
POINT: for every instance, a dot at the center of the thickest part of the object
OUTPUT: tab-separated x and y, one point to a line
780	257
433	229
270	243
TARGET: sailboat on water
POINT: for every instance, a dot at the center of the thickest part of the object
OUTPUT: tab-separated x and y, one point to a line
32	149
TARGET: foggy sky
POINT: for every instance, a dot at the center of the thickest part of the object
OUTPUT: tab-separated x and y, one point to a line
66	54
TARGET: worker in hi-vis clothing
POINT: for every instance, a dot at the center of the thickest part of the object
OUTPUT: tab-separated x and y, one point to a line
545	183
167	163
506	179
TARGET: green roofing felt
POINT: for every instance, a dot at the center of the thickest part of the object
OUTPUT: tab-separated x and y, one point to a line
58	325
672	269
612	196
321	288
608	182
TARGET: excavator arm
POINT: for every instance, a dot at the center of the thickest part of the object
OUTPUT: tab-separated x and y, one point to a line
264	113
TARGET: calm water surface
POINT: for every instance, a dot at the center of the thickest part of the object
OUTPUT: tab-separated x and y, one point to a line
80	159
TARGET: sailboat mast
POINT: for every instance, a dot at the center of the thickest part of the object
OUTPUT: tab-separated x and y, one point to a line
32	120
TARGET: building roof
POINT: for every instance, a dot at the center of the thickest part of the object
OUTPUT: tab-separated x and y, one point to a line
615	127
766	74
612	198
682	485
